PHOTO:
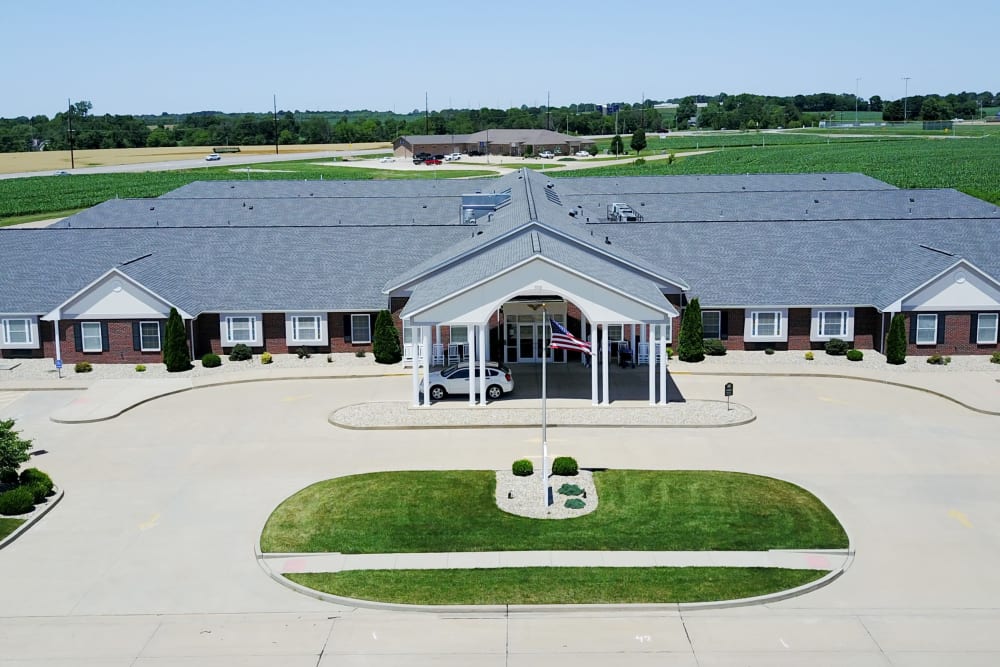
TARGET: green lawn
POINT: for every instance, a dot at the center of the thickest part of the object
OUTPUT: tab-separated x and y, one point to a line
970	165
557	585
8	526
434	511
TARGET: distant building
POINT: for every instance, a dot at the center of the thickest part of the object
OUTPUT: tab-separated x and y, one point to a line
492	142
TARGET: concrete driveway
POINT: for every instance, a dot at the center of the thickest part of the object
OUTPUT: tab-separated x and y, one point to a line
148	560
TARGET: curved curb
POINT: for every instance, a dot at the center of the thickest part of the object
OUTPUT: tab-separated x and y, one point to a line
331	419
768	598
838	376
52	502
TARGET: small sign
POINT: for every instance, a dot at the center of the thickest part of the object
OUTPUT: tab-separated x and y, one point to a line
58	363
729	389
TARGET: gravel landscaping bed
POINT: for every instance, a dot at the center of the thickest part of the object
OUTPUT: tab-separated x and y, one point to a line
523	495
783	361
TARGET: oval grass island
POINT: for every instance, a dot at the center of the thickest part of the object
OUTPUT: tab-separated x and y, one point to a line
415	512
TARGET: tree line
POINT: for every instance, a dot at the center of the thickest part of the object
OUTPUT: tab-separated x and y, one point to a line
79	128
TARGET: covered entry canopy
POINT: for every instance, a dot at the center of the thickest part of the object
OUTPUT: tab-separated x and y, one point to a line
518	254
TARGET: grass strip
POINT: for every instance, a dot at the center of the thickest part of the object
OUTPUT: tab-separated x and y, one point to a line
8	526
639	510
557	585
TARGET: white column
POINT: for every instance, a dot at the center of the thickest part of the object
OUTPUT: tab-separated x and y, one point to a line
437	333
416	372
472	364
593	363
425	337
651	362
662	343
55	324
606	354
642	334
482	363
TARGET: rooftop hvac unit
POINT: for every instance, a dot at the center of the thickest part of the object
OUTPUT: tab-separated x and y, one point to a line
621	212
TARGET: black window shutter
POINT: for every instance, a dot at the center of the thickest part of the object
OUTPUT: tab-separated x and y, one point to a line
940	331
913	327
78	336
973	327
136	338
724	324
105	341
347	328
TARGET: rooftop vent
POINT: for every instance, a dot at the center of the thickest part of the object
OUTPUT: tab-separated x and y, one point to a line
622	212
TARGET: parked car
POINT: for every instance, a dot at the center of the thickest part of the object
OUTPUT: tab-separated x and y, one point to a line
385	159
420	157
212	157
61	172
582	154
453	156
432	160
455	380
546	154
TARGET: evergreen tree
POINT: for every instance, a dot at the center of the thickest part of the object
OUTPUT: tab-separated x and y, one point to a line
617	147
175	348
692	345
638	140
895	348
386	344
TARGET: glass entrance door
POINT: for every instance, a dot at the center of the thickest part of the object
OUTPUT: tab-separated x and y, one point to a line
526	342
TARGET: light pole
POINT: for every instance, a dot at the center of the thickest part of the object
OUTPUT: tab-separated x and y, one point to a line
906	91
857	88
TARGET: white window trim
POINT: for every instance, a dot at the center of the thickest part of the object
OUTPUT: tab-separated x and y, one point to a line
621	336
83	337
750	326
29	327
256	329
717	312
297	329
934	329
142	343
354	338
465	333
996	328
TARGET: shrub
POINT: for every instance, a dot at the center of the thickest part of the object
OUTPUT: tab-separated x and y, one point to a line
329	358
386	345
13	448
240	353
692	344
83	367
810	356
523	468
8	476
565	466
140	368
938	360
670	353
18	500
855	355
359	354
36	478
714	347
670	158
639	161
266	358
895	347
995	358
211	360
301	353
176	356
768	350
575	504
837	347
570	490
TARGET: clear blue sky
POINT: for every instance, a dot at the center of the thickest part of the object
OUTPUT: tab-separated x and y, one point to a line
145	57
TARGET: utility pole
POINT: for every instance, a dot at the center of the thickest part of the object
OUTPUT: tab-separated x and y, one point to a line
857	88
548	111
427	118
906	90
69	119
274	98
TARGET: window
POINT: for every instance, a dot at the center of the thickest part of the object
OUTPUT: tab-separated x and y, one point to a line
149	336
361	331
90	337
460	334
305	328
241	329
986	330
616	332
833	323
16	331
407	335
766	324
927	329
711	324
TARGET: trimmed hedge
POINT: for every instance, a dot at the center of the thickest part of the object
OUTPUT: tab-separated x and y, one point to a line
855	355
523	468
82	367
19	500
240	353
837	347
565	466
211	360
714	347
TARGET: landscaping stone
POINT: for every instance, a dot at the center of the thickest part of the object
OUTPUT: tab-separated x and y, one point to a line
527	496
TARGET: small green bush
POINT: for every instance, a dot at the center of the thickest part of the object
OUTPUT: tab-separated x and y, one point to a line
211	360
8	476
35	477
303	353
240	353
837	347
522	468
359	354
670	353
937	360
855	355
565	466
140	368
329	358
19	500
639	161
714	347
768	350
575	504
83	367
995	358
266	358
570	490
810	356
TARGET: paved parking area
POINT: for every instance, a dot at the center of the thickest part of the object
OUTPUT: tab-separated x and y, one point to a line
149	558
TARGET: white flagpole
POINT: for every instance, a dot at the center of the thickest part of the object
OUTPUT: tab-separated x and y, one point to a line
545	444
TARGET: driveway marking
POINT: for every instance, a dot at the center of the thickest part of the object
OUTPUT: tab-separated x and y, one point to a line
960	517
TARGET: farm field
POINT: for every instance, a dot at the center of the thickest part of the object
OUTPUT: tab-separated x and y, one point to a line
656	145
971	165
52	160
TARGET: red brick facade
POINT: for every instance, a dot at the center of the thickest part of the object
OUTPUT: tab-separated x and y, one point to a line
956	335
119	347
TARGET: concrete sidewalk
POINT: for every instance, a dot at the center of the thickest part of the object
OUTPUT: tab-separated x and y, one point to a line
816	559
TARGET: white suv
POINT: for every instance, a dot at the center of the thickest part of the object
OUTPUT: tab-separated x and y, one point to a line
453	156
547	154
455	380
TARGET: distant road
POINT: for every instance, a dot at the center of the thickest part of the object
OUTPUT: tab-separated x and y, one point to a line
228	159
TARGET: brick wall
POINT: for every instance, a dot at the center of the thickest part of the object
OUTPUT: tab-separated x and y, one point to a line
799	323
959	336
273	328
340	326
119	344
206	331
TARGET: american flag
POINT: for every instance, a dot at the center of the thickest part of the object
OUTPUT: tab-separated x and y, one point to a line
564	340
